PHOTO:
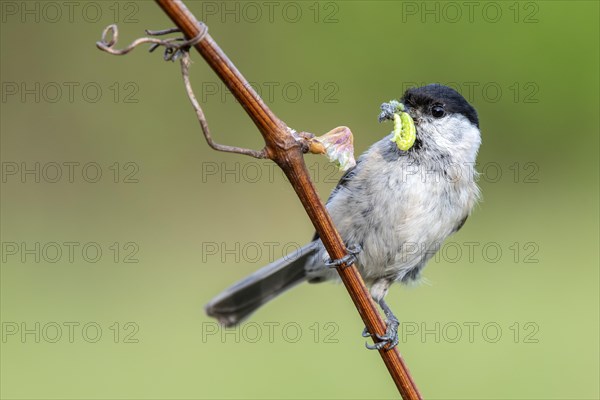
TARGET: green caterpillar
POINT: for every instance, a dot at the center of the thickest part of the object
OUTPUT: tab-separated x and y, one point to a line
404	131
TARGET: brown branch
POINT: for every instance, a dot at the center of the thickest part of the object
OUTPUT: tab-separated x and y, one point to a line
286	151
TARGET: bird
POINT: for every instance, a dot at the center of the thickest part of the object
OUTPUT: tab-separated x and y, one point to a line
393	209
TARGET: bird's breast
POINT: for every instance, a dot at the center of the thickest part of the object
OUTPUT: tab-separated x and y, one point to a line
401	216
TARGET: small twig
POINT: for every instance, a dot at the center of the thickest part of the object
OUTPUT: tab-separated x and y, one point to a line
185	72
110	37
173	51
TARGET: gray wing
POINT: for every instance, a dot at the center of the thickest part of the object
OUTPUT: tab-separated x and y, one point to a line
342	183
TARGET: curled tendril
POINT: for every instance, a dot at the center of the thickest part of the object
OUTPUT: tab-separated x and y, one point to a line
174	47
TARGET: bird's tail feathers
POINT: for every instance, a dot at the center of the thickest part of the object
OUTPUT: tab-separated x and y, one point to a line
236	303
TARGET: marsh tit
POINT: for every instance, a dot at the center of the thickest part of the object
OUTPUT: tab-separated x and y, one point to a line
397	206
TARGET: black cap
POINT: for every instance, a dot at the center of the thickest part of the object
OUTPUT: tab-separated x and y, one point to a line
426	96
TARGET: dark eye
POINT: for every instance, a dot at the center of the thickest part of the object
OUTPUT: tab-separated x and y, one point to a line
438	111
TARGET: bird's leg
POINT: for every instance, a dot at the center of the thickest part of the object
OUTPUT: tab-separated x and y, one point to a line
390	338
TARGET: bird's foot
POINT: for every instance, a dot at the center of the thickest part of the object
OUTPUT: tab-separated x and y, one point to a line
389	340
348	259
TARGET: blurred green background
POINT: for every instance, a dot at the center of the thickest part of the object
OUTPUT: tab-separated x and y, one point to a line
511	308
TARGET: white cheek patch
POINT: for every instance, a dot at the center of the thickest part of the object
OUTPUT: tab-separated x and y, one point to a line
456	134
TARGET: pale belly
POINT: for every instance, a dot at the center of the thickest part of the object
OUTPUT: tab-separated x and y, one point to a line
403	226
